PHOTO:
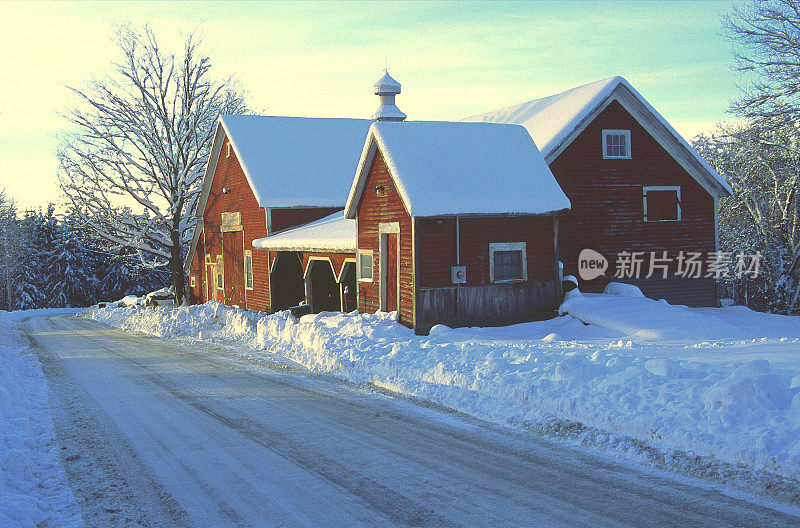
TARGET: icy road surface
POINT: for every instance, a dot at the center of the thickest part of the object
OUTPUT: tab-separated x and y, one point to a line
157	434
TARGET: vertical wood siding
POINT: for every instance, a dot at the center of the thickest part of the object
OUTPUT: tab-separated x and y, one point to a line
607	208
372	210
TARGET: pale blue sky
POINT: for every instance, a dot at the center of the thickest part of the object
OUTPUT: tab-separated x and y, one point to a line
321	59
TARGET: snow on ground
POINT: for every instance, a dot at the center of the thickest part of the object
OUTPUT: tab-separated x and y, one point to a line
720	383
33	485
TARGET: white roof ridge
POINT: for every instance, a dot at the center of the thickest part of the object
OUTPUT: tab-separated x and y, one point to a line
552	120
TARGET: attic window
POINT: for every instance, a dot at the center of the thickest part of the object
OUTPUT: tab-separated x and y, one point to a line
661	203
228	149
507	262
616	144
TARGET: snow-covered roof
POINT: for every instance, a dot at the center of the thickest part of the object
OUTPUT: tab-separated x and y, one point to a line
447	168
555	120
296	161
333	233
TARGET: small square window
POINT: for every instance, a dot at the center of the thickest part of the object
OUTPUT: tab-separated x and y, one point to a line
365	265
507	262
616	144
248	270
661	203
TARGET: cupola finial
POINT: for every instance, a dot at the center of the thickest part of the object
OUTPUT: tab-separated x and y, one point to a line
387	88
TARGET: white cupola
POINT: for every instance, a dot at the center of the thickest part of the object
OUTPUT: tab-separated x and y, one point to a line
387	88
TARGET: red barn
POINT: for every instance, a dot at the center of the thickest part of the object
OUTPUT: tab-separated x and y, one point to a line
635	185
457	224
266	174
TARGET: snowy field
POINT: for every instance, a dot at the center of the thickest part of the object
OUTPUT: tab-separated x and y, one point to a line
33	486
719	383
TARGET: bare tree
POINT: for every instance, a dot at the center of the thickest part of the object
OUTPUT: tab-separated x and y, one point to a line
767	38
133	164
761	160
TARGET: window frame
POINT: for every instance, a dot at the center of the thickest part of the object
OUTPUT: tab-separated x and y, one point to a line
251	276
220	271
617	132
676	188
362	253
508	246
192	281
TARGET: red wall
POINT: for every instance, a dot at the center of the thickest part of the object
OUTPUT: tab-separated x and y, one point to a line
229	174
437	246
283	218
372	210
606	196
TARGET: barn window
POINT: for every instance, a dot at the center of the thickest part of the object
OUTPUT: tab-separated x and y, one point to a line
616	144
507	262
661	203
231	222
364	265
248	270
228	149
220	273
193	281
208	258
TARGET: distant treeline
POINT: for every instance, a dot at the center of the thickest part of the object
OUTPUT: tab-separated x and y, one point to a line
51	261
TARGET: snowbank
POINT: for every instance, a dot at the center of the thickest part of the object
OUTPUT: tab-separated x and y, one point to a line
33	486
714	397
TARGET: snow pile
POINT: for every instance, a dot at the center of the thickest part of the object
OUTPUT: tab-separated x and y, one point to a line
33	486
715	397
643	319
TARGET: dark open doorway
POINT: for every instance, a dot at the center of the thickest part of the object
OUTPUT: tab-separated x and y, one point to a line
286	284
322	287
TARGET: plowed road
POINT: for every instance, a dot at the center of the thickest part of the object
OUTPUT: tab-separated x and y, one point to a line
156	433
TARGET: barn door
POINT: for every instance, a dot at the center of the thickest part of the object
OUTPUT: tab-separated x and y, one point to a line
389	272
233	258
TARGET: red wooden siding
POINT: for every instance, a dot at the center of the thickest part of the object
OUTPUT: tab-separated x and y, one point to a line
373	210
607	207
284	218
437	246
229	174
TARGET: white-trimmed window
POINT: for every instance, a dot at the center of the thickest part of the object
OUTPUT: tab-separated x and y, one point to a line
192	281
248	270
507	262
208	258
220	273
365	267
228	149
661	203
616	144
